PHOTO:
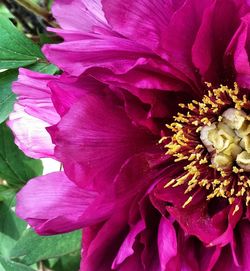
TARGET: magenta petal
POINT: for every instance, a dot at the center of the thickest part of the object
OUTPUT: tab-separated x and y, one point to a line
226	263
126	248
69	35
33	112
167	243
227	236
80	15
210	257
134	263
213	37
53	204
179	36
120	236
239	49
95	138
102	247
140	19
69	90
245	244
114	53
194	218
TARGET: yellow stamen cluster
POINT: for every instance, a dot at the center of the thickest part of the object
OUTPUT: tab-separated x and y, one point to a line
187	148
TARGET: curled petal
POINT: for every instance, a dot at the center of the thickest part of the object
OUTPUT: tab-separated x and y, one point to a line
30	134
53	204
33	112
126	248
114	53
69	90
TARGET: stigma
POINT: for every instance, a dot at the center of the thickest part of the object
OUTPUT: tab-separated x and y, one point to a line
210	141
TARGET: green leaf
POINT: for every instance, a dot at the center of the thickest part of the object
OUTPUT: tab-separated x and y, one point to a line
15	167
68	262
7	243
46	68
7	97
10	224
34	248
6	265
16	50
11	228
5	12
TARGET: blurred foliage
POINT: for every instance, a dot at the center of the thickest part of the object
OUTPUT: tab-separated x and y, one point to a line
22	33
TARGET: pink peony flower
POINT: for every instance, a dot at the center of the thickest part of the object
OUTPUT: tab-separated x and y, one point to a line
148	197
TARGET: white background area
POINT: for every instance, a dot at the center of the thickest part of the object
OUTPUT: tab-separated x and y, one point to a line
50	165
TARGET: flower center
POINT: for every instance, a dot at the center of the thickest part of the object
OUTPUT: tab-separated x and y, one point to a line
210	142
228	140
